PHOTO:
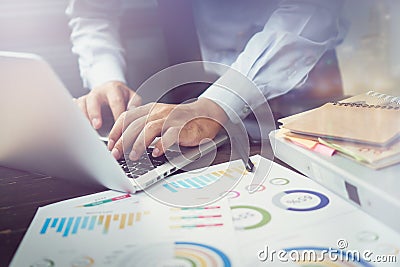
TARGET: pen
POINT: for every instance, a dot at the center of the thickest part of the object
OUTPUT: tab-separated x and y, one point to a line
244	156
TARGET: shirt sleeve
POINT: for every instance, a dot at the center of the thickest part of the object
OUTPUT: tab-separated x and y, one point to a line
96	41
280	57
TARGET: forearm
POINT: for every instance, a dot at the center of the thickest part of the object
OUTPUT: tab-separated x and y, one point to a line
280	57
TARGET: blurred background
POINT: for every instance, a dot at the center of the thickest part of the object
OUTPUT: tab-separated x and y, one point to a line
41	27
368	58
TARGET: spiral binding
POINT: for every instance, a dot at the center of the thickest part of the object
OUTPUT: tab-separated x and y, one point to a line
389	99
388	102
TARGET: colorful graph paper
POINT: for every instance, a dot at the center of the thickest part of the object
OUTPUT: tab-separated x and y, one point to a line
72	225
204	180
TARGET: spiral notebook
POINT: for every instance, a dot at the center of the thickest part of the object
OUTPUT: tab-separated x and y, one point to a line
370	118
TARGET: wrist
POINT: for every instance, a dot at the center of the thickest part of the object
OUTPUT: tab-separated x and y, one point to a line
109	85
114	83
210	109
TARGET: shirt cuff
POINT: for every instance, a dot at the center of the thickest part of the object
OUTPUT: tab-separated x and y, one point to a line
235	94
106	68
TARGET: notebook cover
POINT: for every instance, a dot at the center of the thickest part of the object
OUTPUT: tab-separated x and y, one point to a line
374	126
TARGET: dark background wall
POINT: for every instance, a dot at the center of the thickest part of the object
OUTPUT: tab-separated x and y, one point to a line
40	27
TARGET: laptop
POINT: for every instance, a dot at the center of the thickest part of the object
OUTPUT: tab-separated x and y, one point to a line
43	130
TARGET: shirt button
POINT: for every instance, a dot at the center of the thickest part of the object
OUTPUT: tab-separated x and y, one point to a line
246	109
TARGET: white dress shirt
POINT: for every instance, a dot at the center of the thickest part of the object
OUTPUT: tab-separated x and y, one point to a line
275	43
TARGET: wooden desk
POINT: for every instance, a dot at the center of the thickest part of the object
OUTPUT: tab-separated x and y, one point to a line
21	193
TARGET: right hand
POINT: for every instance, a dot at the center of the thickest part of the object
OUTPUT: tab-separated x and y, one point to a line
114	94
183	124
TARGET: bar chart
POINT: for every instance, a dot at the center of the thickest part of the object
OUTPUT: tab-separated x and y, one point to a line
201	181
72	225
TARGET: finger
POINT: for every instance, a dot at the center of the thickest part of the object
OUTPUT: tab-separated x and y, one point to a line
116	131
167	139
81	102
124	121
124	143
145	138
93	105
134	100
116	102
138	112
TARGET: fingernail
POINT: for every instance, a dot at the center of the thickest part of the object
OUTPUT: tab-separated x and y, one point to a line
156	151
133	155
110	144
96	123
115	153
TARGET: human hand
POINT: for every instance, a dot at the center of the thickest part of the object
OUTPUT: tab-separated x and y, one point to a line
185	124
115	94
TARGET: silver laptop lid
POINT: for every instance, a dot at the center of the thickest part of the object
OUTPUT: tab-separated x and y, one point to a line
42	130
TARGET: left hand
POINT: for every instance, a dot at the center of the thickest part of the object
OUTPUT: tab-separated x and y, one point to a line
114	94
185	124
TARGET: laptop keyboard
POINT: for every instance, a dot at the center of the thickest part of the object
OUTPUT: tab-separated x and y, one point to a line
145	163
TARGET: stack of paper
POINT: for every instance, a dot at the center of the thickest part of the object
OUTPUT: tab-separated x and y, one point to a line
365	128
